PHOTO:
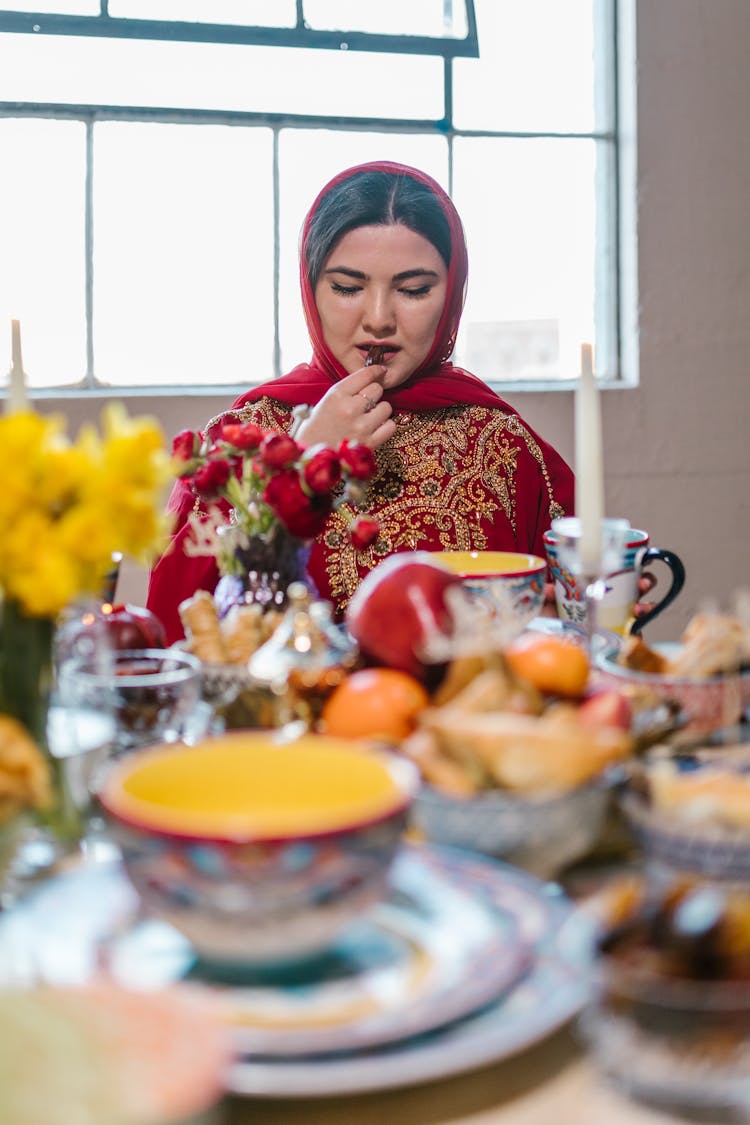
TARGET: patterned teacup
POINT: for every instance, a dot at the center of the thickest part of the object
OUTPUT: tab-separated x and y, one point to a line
615	610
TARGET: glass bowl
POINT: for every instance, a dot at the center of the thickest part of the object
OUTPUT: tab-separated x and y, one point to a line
669	1015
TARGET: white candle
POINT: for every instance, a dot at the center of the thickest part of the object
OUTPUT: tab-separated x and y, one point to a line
17	399
589	465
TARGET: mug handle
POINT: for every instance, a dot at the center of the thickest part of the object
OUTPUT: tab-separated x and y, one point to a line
674	562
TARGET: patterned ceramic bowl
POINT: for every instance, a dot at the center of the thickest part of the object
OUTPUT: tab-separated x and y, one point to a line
510	584
541	834
258	850
708	704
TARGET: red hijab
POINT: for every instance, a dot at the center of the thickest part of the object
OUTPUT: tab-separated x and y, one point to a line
436	382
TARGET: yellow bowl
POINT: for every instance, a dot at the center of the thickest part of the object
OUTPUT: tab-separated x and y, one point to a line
508	584
256	850
490	564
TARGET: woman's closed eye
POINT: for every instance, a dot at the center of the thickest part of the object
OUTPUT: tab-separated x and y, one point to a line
420	291
345	290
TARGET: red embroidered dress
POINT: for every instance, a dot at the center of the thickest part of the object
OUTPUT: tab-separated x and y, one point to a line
462	472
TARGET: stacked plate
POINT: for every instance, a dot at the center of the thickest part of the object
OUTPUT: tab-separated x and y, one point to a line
459	967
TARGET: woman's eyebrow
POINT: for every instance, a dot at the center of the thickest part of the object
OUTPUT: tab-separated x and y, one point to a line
403	276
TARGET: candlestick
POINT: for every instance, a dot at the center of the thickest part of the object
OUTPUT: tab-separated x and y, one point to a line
589	467
17	399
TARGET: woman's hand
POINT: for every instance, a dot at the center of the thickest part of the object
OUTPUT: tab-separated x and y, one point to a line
646	582
352	410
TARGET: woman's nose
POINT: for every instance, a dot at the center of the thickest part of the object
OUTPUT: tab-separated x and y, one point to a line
379	315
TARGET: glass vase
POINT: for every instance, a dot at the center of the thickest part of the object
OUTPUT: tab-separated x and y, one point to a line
259	569
26	681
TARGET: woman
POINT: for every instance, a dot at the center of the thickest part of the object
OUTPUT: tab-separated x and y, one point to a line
383	270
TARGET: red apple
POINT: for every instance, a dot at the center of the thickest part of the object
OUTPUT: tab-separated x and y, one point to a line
606	708
398	607
133	627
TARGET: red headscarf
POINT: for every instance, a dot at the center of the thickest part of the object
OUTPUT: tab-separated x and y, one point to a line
436	383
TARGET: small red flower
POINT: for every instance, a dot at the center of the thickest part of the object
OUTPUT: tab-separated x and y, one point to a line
210	478
304	516
358	460
321	468
186	445
247	436
363	532
278	450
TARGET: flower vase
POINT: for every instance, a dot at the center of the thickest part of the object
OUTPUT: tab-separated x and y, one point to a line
26	679
258	569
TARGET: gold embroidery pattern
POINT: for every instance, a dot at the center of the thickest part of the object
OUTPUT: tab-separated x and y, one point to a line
442	474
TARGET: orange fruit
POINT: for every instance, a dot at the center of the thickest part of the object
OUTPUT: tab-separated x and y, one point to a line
374	703
554	665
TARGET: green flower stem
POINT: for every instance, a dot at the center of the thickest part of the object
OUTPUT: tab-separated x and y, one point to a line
26	677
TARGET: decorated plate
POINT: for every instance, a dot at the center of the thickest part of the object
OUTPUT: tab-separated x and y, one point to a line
447	942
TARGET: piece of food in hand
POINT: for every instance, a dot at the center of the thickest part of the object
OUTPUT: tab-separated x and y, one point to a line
554	665
374	703
398	609
375	354
25	781
606	708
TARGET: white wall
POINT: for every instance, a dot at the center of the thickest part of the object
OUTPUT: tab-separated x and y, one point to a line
677	459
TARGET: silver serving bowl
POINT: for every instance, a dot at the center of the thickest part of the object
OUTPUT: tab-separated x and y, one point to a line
542	834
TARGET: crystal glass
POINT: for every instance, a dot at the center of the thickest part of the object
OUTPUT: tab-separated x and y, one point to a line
613	539
151	695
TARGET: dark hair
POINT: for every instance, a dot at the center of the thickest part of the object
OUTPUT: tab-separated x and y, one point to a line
374	199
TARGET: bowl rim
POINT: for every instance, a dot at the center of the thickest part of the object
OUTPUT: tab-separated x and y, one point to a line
404	773
188	666
535	564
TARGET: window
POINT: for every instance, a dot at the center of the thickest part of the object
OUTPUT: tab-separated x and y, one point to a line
156	172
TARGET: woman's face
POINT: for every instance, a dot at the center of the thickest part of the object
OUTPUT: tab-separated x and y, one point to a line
383	285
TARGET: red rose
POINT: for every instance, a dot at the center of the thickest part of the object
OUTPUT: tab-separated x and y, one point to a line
278	450
322	468
363	532
303	516
247	436
358	460
209	480
186	445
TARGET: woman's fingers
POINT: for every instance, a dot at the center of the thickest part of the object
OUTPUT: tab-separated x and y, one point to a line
646	582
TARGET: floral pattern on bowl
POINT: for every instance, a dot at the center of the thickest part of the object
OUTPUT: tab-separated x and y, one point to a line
708	704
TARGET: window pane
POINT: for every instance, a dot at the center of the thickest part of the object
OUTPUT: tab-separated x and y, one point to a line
528	210
58	7
246	13
183	259
390	17
42	240
79	70
307	160
535	71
